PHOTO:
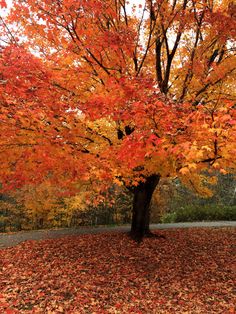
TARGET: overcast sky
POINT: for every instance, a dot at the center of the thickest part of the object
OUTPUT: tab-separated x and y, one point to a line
131	2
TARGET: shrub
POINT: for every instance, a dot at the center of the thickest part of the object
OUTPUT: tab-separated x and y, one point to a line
200	213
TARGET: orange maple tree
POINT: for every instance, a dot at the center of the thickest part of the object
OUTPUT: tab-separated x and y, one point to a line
104	92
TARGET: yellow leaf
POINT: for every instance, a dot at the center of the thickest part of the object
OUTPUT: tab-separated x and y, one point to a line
184	170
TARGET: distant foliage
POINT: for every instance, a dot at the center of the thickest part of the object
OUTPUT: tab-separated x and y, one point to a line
186	205
41	207
190	213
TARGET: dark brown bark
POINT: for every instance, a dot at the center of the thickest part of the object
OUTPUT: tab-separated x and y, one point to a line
141	207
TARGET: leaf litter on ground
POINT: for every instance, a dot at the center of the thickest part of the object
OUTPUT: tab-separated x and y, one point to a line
190	271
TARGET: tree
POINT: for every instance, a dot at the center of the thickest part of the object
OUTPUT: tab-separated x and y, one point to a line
92	90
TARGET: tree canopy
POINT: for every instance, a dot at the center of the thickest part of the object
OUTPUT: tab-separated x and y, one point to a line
99	91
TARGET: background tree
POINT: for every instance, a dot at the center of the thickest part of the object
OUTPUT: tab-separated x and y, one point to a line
92	91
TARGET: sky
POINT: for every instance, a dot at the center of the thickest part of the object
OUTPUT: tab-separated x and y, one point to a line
131	3
3	12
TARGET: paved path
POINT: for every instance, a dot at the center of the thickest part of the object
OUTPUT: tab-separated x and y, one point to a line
12	239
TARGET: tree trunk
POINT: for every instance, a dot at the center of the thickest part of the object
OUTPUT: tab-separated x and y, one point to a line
141	207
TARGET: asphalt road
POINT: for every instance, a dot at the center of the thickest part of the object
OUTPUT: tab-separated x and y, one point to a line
12	239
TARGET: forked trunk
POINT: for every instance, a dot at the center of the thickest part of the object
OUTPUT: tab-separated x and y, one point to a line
141	207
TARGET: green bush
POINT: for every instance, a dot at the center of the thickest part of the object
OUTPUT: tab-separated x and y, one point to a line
169	217
200	213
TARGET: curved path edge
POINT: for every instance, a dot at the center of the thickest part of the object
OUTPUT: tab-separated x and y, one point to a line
12	239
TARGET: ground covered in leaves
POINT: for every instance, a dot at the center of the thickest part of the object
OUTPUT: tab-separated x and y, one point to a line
191	271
